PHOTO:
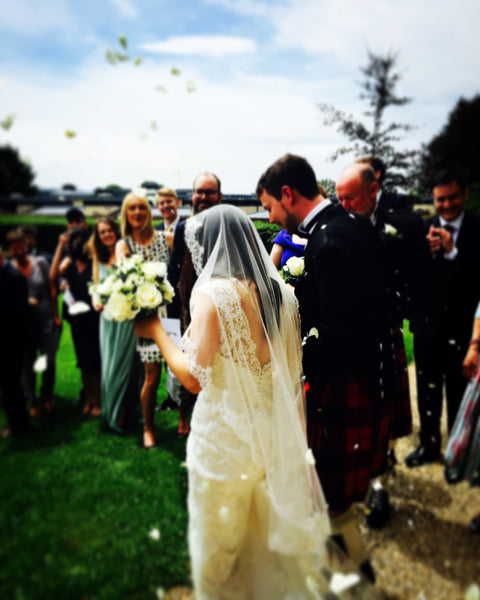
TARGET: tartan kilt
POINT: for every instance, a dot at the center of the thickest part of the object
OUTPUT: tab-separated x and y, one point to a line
401	410
347	428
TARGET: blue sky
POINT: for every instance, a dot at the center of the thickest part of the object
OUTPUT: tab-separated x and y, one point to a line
251	73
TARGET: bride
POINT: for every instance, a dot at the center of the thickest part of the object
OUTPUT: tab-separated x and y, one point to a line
258	522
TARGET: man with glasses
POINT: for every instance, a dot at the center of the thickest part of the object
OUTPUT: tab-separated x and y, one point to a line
452	294
205	194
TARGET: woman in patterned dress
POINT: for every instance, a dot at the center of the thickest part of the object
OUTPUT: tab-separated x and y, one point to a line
140	237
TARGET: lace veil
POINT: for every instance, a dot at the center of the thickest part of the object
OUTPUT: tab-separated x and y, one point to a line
226	247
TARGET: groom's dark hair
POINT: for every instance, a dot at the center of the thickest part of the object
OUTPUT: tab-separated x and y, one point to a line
290	170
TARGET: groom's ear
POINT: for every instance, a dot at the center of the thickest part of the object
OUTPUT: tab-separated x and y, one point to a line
287	195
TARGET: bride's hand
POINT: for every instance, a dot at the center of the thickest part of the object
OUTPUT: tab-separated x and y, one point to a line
146	326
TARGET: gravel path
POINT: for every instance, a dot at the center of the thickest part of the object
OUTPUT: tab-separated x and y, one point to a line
426	551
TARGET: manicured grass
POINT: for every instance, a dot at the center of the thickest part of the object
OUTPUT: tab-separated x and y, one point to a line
78	505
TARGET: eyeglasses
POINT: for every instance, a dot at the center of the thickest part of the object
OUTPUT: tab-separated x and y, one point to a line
205	192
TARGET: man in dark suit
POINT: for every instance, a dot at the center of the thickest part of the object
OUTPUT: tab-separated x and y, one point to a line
13	319
344	322
452	294
385	200
206	193
406	259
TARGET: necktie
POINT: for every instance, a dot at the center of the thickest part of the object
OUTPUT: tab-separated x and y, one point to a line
169	229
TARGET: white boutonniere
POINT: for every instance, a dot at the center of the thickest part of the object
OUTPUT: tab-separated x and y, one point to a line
391	231
294	270
312	333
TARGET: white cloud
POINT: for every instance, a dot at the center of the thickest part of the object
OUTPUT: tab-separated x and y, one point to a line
126	8
24	17
203	45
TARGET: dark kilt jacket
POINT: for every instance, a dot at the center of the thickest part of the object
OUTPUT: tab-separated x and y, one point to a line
347	367
407	261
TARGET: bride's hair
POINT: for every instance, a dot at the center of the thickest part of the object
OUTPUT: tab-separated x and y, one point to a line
223	242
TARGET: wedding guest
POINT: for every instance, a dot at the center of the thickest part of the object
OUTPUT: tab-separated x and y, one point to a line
464	444
386	200
452	292
14	328
118	388
30	235
141	238
168	203
284	246
42	338
76	268
406	258
206	192
347	414
258	520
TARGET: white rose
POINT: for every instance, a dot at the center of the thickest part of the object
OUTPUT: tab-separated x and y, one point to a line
148	296
168	291
106	287
151	270
119	308
296	265
128	265
390	229
117	286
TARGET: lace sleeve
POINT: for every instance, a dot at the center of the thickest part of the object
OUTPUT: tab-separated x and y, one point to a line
202	338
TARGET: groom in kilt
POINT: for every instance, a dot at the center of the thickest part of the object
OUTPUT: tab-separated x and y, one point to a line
346	341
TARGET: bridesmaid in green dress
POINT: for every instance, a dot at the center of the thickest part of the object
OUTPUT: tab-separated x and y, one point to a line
119	385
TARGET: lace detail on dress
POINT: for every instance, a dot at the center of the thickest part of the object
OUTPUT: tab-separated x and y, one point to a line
196	249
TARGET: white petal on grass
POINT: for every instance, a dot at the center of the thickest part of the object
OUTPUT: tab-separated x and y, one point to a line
40	364
154	534
472	592
340	582
78	308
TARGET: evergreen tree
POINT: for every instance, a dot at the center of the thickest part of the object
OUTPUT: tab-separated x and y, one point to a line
16	176
376	138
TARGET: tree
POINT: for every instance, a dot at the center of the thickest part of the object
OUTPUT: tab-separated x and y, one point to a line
457	146
16	176
376	138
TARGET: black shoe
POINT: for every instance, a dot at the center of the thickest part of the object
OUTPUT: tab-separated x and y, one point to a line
367	570
422	455
167	404
475	524
377	509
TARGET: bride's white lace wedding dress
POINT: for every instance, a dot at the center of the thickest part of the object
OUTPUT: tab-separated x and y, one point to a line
258	522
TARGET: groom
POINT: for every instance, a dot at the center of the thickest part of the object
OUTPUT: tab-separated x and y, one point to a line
344	324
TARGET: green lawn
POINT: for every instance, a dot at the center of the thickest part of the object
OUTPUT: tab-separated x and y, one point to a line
78	505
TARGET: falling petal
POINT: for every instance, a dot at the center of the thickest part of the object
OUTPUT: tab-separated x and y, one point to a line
452	342
78	308
224	514
161	88
154	534
111	57
160	593
183	465
8	121
311	584
138	61
70	134
121	57
356	447
174	71
191	87
40	364
377	485
410	523
123	41
143	136
340	582
153	125
244	476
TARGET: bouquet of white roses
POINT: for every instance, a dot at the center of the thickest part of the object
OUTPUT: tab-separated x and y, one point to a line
134	287
294	270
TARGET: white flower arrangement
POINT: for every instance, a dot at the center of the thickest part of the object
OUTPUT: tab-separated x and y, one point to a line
312	333
294	269
134	288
